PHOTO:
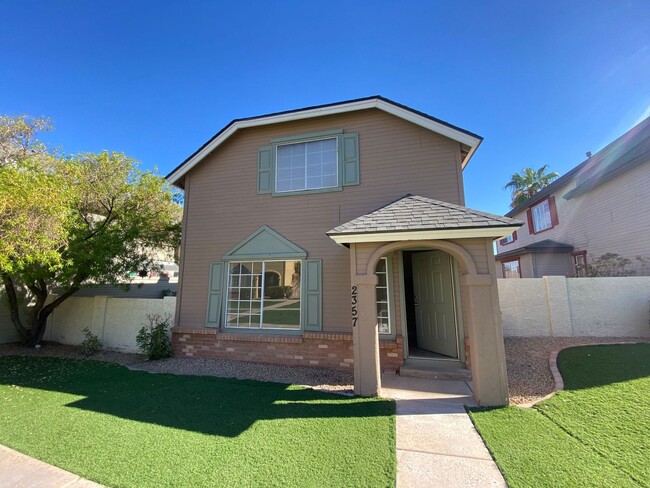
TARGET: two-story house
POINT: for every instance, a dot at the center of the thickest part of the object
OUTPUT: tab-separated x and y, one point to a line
601	206
337	236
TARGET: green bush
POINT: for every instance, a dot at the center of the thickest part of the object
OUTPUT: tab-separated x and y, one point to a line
278	292
153	338
91	344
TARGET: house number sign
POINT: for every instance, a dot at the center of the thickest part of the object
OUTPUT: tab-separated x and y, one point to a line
355	312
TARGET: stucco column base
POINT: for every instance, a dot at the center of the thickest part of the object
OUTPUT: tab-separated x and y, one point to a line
365	335
487	353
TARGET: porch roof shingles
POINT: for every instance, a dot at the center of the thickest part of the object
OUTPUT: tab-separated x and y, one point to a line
415	213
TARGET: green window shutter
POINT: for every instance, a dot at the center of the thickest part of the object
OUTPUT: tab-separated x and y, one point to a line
265	169
349	155
215	294
313	299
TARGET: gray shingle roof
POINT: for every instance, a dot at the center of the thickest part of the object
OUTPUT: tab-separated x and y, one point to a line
415	213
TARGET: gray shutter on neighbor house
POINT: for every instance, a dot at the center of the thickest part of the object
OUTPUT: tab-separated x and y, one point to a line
264	169
215	294
350	158
313	299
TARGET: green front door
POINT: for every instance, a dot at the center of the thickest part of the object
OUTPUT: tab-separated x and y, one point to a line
435	318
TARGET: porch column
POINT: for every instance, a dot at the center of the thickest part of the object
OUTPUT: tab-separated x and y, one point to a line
482	318
365	334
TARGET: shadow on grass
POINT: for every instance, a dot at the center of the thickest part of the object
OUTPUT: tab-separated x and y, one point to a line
204	404
591	366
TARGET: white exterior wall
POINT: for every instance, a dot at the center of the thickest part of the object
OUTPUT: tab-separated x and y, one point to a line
555	306
613	217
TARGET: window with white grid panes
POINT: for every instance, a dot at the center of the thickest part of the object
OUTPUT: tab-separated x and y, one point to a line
264	295
383	294
308	165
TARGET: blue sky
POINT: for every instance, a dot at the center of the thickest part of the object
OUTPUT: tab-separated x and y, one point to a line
543	82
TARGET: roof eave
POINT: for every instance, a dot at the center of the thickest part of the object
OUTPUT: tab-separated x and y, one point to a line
422	235
388	106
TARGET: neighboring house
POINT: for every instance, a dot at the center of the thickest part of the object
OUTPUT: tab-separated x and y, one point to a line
337	236
600	206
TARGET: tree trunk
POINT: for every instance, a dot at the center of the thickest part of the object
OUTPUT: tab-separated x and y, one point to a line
14	312
41	313
40	322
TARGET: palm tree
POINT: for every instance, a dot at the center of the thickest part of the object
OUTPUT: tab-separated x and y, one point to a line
525	184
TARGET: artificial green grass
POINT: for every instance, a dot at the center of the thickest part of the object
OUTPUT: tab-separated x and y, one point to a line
135	429
594	433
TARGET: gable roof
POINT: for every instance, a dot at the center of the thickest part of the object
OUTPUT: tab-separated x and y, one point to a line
426	218
446	129
623	154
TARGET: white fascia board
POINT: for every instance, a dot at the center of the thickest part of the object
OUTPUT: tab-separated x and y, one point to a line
402	113
424	235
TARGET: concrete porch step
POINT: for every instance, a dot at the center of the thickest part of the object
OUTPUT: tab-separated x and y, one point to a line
436	370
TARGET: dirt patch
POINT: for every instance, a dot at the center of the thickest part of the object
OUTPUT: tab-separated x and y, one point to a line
529	375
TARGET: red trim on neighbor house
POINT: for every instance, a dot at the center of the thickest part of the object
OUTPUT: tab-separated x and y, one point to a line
504	261
552	208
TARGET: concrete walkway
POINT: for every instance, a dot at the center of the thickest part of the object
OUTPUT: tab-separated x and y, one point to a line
437	444
20	471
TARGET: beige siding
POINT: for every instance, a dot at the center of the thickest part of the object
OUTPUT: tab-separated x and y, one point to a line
396	157
613	217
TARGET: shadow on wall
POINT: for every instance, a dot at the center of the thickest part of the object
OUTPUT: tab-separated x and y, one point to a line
203	404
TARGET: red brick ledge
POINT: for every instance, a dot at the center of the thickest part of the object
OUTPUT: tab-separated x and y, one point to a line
296	339
555	371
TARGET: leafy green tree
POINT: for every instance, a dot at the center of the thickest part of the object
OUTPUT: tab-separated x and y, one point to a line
527	183
70	221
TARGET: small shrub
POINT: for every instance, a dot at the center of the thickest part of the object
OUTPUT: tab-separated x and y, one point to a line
153	338
167	292
91	344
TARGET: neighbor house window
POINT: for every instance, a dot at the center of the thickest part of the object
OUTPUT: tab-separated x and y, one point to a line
511	269
264	295
509	239
542	216
308	165
383	294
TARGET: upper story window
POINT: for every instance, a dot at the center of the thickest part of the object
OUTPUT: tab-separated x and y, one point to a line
542	216
308	165
316	162
508	239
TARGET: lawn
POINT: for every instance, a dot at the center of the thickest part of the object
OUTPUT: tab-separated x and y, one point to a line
135	429
594	433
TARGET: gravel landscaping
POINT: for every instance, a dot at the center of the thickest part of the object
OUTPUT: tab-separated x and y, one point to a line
529	375
317	378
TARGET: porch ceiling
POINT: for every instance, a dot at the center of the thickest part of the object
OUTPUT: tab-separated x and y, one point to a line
416	218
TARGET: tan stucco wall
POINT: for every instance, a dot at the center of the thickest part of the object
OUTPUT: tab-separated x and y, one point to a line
609	218
578	307
223	208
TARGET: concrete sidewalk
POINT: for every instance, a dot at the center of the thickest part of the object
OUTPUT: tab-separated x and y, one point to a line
437	444
20	471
